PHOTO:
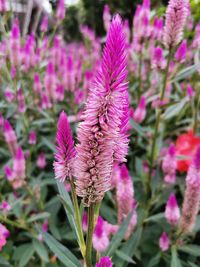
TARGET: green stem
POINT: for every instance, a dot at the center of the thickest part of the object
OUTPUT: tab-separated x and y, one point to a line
91	214
196	112
158	117
78	219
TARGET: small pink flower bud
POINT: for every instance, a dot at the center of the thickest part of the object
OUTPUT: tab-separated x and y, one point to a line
21	101
32	138
140	112
44	24
104	262
60	11
5	206
41	161
181	52
100	238
10	137
172	211
164	242
169	165
9	95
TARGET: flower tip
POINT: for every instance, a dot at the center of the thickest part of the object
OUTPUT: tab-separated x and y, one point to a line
197	158
104	262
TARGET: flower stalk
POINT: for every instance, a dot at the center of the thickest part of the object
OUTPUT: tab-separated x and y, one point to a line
91	217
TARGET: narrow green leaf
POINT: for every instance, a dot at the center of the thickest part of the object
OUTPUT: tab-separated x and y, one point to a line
64	254
40	250
48	144
191	249
186	72
117	238
174	109
4	262
156	217
137	128
38	217
175	262
26	255
124	256
154	261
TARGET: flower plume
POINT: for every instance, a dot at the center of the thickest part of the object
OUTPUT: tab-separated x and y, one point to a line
103	125
65	149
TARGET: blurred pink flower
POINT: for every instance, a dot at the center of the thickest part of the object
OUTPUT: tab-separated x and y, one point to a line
172	211
41	161
104	262
164	242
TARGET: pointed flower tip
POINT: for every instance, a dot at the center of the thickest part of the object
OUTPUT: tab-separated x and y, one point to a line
172	150
172	201
117	19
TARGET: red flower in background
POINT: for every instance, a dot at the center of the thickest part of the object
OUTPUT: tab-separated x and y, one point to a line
186	145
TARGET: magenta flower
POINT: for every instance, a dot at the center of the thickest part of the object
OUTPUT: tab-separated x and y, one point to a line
60	11
10	137
21	101
103	122
169	165
41	161
5	206
63	165
44	24
14	44
104	262
32	138
4	234
192	195
9	95
176	15
164	242
181	52
172	211
19	166
158	61
106	17
140	113
100	237
190	92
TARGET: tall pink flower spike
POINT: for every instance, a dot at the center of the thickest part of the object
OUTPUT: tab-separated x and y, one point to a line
169	165
10	137
102	133
172	211
63	165
192	195
176	15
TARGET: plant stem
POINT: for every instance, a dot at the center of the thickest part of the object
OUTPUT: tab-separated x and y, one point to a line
196	112
89	236
140	75
158	117
78	219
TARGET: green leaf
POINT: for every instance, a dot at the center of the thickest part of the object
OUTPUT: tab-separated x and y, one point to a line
193	250
174	109
26	255
4	262
40	250
175	262
64	254
156	217
48	144
131	245
154	261
38	217
117	238
124	256
137	128
186	72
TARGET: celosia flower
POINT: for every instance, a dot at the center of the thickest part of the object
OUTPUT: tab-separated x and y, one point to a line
2	5
41	161
14	44
192	195
190	92
21	101
50	80
172	211
32	138
157	29
158	60
19	166
164	242
102	124
44	24
5	206
9	95
60	11
4	234
169	165
125	199
100	238
176	15
181	52
106	17
9	173
64	158
186	146
37	85
140	112
104	262
10	137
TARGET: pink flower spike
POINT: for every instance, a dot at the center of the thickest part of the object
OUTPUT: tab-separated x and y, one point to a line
102	134
164	242
172	211
190	92
181	52
9	95
169	165
32	138
100	238
140	112
5	206
104	262
44	24
63	165
60	11
176	15
4	234
9	173
19	166
10	137
41	161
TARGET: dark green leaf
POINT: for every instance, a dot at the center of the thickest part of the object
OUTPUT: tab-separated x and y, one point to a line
38	217
41	250
175	262
191	249
26	255
124	256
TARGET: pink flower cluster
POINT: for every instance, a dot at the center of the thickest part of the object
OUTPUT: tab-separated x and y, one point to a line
4	234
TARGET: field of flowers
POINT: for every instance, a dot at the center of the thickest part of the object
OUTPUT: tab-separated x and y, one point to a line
100	141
